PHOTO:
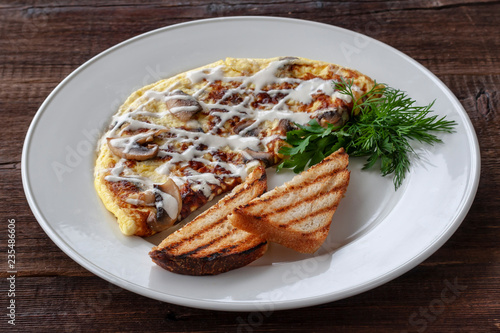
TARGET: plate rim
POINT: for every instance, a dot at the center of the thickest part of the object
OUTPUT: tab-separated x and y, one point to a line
451	227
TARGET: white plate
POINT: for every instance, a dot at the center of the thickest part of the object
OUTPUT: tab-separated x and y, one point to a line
377	234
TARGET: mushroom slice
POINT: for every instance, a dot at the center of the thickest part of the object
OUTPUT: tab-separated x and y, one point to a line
335	116
266	157
149	136
168	206
131	150
143	198
284	126
242	125
182	105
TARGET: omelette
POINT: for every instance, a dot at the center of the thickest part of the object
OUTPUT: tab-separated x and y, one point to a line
176	144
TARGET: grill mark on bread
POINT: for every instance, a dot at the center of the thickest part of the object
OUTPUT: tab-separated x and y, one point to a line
195	235
208	244
224	251
315	213
317	231
227	250
319	179
298	187
296	204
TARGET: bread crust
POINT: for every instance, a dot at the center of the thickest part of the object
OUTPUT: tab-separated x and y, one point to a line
207	265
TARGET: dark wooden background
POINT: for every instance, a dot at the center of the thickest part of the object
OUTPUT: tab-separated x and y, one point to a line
41	42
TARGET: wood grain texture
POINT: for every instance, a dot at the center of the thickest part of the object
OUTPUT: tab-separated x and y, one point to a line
41	42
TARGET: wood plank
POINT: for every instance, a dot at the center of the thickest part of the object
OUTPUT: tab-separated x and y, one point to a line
395	306
391	25
41	42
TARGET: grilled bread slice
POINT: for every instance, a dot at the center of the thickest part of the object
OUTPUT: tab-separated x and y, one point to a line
298	214
210	244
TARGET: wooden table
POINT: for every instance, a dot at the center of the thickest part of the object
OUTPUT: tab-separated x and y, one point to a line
41	42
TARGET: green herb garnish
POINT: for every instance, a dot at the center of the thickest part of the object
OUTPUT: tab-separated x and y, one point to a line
382	123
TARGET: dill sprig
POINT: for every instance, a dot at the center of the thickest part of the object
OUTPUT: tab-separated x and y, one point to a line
382	124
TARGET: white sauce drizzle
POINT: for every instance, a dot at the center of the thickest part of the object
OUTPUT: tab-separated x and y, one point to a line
249	87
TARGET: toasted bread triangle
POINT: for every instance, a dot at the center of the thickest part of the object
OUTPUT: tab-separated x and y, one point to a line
210	244
298	214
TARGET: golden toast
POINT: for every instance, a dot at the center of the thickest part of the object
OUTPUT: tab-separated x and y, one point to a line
210	244
298	213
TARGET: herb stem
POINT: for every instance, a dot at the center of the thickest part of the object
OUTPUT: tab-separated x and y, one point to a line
383	122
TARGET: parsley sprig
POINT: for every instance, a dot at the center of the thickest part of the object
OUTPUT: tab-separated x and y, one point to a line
382	124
